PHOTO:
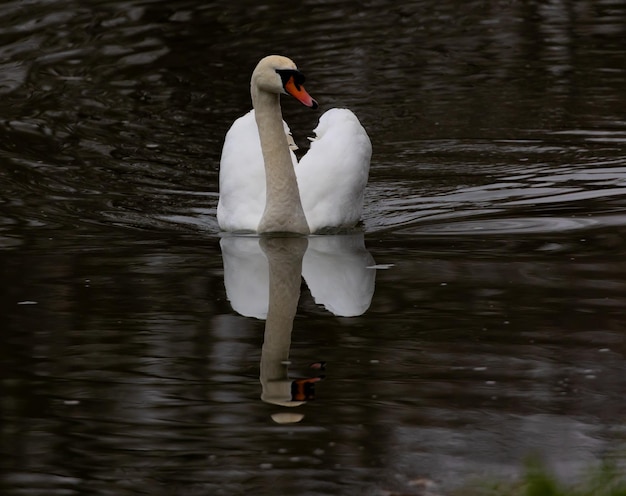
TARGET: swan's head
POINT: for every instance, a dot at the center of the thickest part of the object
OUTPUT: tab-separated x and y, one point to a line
278	74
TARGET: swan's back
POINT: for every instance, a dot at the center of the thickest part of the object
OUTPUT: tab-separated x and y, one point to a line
333	174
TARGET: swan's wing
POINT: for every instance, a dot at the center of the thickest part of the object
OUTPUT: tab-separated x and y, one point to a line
242	176
332	175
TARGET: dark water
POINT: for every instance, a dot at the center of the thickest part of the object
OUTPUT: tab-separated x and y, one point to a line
477	319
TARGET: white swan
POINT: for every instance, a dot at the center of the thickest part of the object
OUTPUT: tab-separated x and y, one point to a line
324	190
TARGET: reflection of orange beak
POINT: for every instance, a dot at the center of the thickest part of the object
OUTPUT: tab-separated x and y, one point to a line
304	389
300	94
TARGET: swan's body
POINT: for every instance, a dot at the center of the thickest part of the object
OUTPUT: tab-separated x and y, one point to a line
324	190
242	177
332	175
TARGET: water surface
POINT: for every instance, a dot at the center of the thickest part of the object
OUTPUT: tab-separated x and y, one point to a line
475	318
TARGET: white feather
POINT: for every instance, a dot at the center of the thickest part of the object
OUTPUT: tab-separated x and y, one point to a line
332	175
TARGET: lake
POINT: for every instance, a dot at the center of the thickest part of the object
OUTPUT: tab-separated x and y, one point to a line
473	320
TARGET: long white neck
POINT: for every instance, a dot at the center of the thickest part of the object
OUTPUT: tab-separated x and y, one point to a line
283	208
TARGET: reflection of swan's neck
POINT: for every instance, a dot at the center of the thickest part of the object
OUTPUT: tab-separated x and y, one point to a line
283	208
284	256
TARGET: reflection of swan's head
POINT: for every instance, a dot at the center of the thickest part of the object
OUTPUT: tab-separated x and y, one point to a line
279	75
278	392
287	417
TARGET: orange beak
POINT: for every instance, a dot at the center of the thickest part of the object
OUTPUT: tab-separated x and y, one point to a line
299	93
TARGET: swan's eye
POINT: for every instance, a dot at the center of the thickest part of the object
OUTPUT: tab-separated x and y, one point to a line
286	74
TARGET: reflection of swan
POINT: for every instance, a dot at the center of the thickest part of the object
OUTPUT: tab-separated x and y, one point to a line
284	257
246	275
262	277
334	267
327	187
